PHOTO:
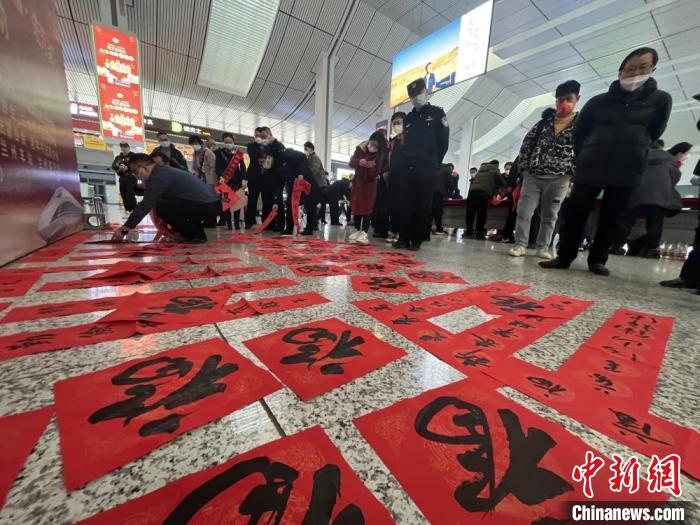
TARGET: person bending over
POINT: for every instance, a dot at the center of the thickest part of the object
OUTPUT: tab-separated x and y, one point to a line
485	184
180	200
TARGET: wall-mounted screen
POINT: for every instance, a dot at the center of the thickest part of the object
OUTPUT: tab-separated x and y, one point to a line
452	54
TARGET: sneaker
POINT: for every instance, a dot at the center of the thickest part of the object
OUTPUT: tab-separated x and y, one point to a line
517	251
554	263
362	238
440	232
544	254
353	236
599	269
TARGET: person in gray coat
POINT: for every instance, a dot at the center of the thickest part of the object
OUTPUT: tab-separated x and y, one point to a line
654	199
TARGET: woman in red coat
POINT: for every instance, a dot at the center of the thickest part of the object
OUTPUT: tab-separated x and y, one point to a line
368	162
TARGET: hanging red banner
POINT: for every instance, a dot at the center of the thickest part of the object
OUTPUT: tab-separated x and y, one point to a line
111	417
297	479
466	454
300	187
382	283
314	358
118	74
20	433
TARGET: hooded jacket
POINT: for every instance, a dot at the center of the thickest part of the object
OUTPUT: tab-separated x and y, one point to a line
550	155
657	185
488	179
613	133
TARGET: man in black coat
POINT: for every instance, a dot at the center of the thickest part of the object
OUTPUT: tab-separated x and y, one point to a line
127	181
268	186
167	148
611	142
337	190
443	183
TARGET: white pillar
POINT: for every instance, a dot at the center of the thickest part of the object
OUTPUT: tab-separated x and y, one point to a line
465	153
113	13
323	107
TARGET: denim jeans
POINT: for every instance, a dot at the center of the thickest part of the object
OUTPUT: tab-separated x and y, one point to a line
547	194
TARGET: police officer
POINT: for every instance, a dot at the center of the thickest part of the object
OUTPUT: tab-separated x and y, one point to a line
127	181
426	137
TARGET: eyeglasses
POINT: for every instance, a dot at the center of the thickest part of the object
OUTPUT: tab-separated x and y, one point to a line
643	68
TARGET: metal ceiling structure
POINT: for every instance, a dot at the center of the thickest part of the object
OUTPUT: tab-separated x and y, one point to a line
535	45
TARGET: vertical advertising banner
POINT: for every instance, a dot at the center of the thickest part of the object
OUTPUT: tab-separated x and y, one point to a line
118	84
39	184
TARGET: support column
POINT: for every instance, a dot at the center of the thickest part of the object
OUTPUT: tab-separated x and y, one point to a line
323	108
113	13
465	153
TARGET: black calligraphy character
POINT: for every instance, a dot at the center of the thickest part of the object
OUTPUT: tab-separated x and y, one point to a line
438	304
416	309
603	383
380	307
383	283
435	337
308	340
267	503
548	386
267	304
484	342
96	330
404	319
32	340
610	349
186	303
202	385
523	478
299	300
612	366
519	324
626	342
512	304
506	333
474	358
51	309
627	424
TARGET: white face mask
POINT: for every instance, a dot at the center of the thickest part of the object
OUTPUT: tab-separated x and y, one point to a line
267	164
372	149
266	142
229	146
420	100
258	140
164	143
397	128
634	83
196	147
308	152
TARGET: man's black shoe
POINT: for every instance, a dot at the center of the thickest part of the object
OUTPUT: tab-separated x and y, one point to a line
335	224
415	246
307	232
679	282
230	227
377	235
401	244
288	232
195	241
554	263
480	237
599	269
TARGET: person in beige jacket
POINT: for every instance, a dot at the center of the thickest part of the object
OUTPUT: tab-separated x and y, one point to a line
203	161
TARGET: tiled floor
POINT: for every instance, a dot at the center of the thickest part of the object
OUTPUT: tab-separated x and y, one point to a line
39	496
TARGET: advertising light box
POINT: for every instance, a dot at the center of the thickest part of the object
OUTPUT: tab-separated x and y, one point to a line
452	54
118	84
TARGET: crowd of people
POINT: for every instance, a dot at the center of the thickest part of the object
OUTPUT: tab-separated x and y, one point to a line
611	146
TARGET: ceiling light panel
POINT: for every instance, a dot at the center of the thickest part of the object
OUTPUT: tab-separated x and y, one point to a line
231	58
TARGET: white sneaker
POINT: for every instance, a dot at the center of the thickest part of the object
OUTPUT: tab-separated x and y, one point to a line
544	254
517	251
362	238
353	236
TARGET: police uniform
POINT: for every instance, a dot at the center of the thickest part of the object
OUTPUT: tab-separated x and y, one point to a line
426	137
127	181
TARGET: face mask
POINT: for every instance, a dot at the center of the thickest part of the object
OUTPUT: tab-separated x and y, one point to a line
634	83
164	143
372	149
125	151
229	146
266	142
308	152
398	128
564	109
267	164
420	100
197	147
258	140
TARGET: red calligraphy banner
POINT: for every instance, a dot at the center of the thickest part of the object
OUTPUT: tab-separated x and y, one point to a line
287	302
266	223
341	258
297	479
20	433
424	276
464	453
3	306
118	84
371	267
405	261
313	358
300	187
317	270
382	283
228	196
232	166
77	268
18	283
111	417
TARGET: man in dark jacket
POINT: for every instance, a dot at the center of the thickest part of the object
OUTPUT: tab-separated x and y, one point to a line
425	141
177	159
443	182
485	184
337	190
127	181
261	182
238	180
295	164
612	136
182	201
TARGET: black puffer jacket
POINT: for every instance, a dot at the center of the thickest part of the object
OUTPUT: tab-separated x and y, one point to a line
613	133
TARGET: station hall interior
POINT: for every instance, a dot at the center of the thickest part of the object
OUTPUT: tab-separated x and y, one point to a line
349	261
